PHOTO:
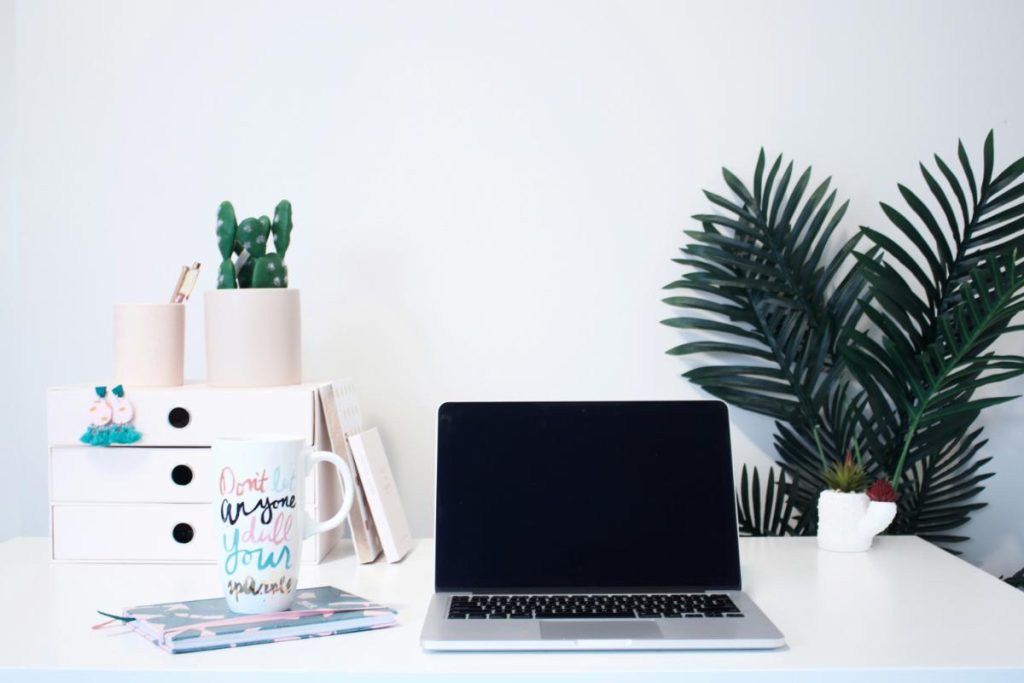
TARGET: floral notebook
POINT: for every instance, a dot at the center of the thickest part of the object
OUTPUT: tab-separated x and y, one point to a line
208	624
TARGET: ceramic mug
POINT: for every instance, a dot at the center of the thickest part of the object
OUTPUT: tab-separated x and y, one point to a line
261	517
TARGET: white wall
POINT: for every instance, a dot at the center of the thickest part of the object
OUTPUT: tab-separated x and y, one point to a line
10	518
487	194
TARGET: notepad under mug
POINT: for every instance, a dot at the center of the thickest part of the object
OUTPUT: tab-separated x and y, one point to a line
261	517
198	625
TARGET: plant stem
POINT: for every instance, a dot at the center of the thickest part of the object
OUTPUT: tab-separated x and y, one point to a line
1003	299
898	472
821	451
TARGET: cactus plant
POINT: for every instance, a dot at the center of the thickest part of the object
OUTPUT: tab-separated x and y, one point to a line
226	229
248	240
252	236
270	271
282	227
243	266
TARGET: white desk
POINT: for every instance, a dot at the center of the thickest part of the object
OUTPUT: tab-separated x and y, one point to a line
903	611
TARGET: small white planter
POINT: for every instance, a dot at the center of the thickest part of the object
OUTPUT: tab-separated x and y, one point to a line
253	337
848	522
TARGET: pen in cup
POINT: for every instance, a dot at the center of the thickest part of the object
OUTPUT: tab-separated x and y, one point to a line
186	283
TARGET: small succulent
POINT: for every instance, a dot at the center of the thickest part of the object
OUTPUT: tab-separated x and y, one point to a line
248	240
846	476
882	491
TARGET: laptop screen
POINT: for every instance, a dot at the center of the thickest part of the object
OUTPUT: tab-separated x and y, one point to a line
582	497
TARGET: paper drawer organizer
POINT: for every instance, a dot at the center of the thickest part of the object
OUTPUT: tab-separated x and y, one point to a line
150	502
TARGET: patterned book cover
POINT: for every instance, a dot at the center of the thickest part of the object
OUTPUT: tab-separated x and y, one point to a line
209	625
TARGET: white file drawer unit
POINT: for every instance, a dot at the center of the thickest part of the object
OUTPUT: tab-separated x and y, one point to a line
151	501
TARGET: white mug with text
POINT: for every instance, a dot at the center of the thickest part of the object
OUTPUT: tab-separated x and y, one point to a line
261	517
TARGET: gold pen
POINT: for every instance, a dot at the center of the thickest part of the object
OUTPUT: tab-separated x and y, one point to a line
186	283
177	287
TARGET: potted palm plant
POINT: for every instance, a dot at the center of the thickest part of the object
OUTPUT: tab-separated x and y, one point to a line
253	320
882	339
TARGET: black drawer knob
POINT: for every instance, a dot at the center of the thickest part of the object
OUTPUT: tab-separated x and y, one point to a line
183	533
179	418
181	475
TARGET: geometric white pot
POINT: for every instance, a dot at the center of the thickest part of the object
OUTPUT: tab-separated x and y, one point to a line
253	337
848	522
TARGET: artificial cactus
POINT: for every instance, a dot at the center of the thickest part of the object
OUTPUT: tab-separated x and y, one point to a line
226	277
252	239
282	227
251	236
270	271
243	266
226	229
244	271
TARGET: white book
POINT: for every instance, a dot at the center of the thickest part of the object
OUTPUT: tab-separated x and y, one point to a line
342	416
381	493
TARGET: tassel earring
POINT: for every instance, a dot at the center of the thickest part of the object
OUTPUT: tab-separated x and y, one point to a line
100	416
123	413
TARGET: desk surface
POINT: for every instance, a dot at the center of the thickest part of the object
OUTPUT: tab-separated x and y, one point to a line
904	610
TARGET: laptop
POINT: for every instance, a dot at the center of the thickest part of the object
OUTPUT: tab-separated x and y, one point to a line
588	526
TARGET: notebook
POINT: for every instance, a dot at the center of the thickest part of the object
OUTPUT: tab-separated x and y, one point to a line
588	526
199	625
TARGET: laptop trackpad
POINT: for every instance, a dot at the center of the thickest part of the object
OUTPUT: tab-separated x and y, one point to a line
598	630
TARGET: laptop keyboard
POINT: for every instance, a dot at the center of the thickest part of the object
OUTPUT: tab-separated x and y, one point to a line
626	606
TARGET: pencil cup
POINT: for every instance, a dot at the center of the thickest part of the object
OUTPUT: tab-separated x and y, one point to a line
149	345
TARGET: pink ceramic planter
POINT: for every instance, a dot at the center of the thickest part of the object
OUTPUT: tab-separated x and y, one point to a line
253	337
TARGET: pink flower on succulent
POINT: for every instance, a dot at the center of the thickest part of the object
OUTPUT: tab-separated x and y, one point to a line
883	492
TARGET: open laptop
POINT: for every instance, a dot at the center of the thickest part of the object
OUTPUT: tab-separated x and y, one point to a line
588	526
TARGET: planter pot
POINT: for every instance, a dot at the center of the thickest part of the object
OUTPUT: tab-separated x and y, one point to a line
848	522
253	337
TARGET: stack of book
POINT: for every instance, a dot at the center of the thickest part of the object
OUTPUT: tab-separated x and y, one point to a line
377	518
208	624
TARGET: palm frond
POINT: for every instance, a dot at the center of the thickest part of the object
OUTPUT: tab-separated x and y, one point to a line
761	277
939	488
883	345
1017	579
940	292
924	275
768	511
932	389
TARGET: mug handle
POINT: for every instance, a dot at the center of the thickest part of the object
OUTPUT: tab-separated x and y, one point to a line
312	458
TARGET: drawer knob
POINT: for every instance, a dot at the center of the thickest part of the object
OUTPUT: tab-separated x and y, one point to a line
181	475
183	533
179	417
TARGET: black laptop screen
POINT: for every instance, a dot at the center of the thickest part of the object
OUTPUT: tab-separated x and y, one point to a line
585	496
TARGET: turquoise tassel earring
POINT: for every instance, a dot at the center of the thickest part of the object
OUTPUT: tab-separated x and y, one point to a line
110	422
100	417
123	413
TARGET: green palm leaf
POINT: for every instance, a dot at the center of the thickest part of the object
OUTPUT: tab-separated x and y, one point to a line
759	278
883	347
936	320
1017	579
767	511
